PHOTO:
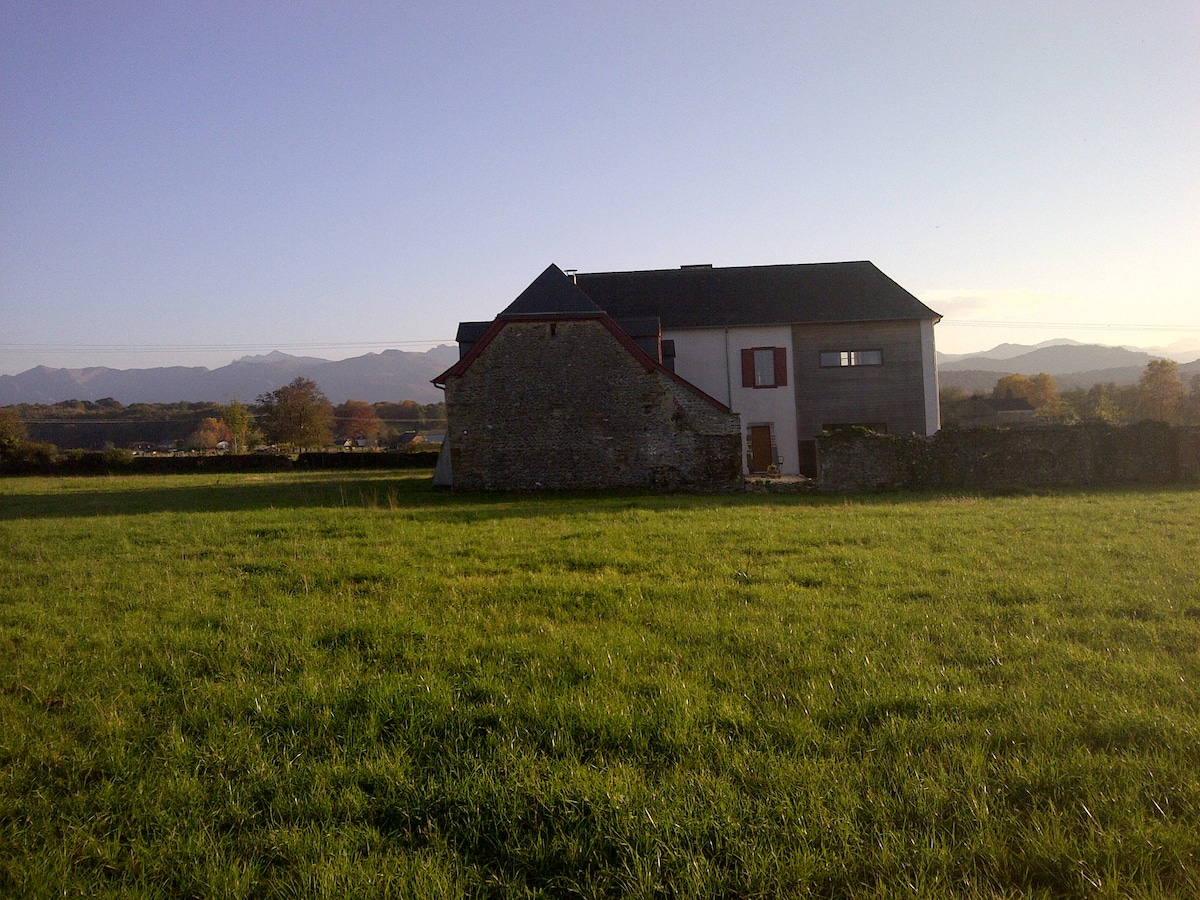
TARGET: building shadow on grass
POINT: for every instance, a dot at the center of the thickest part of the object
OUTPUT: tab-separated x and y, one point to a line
404	494
414	495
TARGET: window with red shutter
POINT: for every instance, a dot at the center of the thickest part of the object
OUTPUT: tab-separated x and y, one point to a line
764	367
748	368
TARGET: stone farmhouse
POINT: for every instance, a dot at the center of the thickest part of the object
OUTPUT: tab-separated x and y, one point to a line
790	350
555	395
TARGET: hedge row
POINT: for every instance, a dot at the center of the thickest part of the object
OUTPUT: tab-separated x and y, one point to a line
38	459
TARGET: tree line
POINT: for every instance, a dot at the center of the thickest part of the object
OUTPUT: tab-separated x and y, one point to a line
1159	395
297	416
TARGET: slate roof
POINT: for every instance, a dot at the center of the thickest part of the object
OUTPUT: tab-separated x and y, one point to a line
805	293
551	294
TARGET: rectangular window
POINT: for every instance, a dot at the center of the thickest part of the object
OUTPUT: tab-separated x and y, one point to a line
764	367
832	359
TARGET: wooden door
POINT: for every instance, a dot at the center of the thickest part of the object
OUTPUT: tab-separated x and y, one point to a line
761	457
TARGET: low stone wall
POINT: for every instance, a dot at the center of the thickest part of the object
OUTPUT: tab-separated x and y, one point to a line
1054	456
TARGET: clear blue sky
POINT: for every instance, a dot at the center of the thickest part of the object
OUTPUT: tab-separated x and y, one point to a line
189	182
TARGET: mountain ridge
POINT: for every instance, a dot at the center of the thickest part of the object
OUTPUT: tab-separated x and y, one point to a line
1060	359
395	375
389	376
1072	364
1182	351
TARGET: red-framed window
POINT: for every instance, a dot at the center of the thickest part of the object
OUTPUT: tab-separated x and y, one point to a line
764	367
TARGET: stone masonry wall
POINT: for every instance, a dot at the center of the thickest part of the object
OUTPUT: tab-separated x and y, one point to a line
1064	456
563	405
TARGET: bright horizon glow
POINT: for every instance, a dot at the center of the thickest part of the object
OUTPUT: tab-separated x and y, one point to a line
187	184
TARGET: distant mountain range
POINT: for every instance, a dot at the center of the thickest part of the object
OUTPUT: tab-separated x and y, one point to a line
1072	364
1185	351
390	376
395	375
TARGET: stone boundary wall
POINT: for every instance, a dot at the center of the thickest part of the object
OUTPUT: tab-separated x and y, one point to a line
1052	456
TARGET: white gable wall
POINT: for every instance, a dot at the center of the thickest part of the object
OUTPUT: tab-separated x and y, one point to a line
711	359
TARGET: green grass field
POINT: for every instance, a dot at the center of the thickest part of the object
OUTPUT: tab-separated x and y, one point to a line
346	685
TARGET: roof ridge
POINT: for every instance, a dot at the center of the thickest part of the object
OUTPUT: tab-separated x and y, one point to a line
551	294
697	269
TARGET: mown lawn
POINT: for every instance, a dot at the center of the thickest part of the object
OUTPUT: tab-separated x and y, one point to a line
350	685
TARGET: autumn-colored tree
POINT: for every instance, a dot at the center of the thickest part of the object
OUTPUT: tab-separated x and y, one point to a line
208	434
1011	387
243	433
1099	403
298	414
356	420
1161	391
1039	389
1190	406
1111	403
12	429
1043	390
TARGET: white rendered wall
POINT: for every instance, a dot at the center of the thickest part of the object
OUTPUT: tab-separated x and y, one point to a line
700	358
711	359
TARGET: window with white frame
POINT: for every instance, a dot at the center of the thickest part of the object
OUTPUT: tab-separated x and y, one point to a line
833	359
